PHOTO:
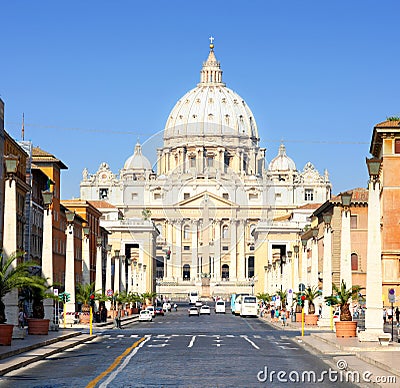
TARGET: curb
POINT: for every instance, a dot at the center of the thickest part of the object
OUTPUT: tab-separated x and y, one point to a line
27	348
379	364
34	358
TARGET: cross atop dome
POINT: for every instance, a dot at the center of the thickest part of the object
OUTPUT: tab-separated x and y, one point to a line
211	38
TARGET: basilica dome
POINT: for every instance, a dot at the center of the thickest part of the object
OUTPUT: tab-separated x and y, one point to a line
211	109
282	162
137	161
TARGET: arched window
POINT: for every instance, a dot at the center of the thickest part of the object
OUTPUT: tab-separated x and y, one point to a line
354	262
225	271
225	231
186	232
186	272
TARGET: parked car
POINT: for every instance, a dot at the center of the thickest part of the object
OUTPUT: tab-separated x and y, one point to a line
193	311
159	311
145	315
198	303
205	310
152	310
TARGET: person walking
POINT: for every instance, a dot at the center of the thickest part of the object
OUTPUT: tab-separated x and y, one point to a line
397	314
119	316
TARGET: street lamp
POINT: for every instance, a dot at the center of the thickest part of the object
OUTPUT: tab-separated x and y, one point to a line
346	200
70	216
47	196
11	165
327	217
86	230
374	167
99	241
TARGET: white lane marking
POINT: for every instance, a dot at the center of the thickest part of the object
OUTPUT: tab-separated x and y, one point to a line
120	335
256	336
250	341
157	346
124	364
230	336
192	341
134	336
287	347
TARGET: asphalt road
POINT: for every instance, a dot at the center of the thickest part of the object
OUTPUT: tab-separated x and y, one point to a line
181	351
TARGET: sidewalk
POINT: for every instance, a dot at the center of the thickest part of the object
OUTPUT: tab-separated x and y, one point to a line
34	348
357	356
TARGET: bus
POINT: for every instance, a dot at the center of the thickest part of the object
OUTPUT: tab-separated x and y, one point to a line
249	306
235	308
193	296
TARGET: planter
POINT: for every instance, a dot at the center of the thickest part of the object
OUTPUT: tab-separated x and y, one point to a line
134	310
298	317
346	329
6	331
84	318
311	319
37	326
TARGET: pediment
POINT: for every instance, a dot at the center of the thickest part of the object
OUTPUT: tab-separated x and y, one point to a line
200	199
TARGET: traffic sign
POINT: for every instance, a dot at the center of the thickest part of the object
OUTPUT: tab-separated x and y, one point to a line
392	295
55	291
110	292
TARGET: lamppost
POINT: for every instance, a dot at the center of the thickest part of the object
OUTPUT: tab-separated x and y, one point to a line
69	262
304	261
296	280
373	313
345	241
116	270
47	254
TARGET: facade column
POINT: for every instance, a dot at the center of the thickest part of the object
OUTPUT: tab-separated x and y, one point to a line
217	250
129	279
47	261
169	262
233	248
194	270
241	250
10	244
303	275
69	266
86	259
108	285
178	249
123	273
314	263
345	250
373	312
325	320
296	280
116	272
99	267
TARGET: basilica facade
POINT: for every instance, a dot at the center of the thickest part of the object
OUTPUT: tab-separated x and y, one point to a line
220	211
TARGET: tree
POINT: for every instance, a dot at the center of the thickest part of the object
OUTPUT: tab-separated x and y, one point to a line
283	296
265	297
147	297
83	292
14	276
341	297
311	293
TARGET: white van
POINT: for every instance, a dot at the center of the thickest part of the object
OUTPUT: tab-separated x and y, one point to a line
220	306
152	311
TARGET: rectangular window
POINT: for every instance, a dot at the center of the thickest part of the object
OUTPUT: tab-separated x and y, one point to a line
397	146
225	248
193	162
253	196
210	161
353	222
186	247
103	193
309	195
157	196
134	196
225	196
186	195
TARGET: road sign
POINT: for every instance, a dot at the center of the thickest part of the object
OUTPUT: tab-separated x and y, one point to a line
392	295
55	291
110	292
289	297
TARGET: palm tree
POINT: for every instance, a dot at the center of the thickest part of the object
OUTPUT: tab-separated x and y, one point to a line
147	297
341	297
16	276
83	292
283	296
265	297
311	293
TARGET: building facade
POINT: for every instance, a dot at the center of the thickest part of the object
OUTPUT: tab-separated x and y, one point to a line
209	192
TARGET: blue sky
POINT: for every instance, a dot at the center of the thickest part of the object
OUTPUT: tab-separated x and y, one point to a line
94	76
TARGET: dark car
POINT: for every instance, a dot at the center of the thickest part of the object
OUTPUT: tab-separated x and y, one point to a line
159	311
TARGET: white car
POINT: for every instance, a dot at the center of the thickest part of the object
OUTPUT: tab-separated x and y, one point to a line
152	310
205	310
145	315
198	303
220	306
193	311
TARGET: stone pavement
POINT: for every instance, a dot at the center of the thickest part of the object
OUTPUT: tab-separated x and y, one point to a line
33	348
382	362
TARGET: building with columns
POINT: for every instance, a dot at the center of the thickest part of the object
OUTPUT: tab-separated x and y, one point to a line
210	190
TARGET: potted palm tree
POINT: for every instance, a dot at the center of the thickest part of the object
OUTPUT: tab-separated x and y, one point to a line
14	276
298	308
341	297
311	293
83	292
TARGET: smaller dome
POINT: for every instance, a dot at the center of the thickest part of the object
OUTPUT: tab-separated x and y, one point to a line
282	162
137	161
